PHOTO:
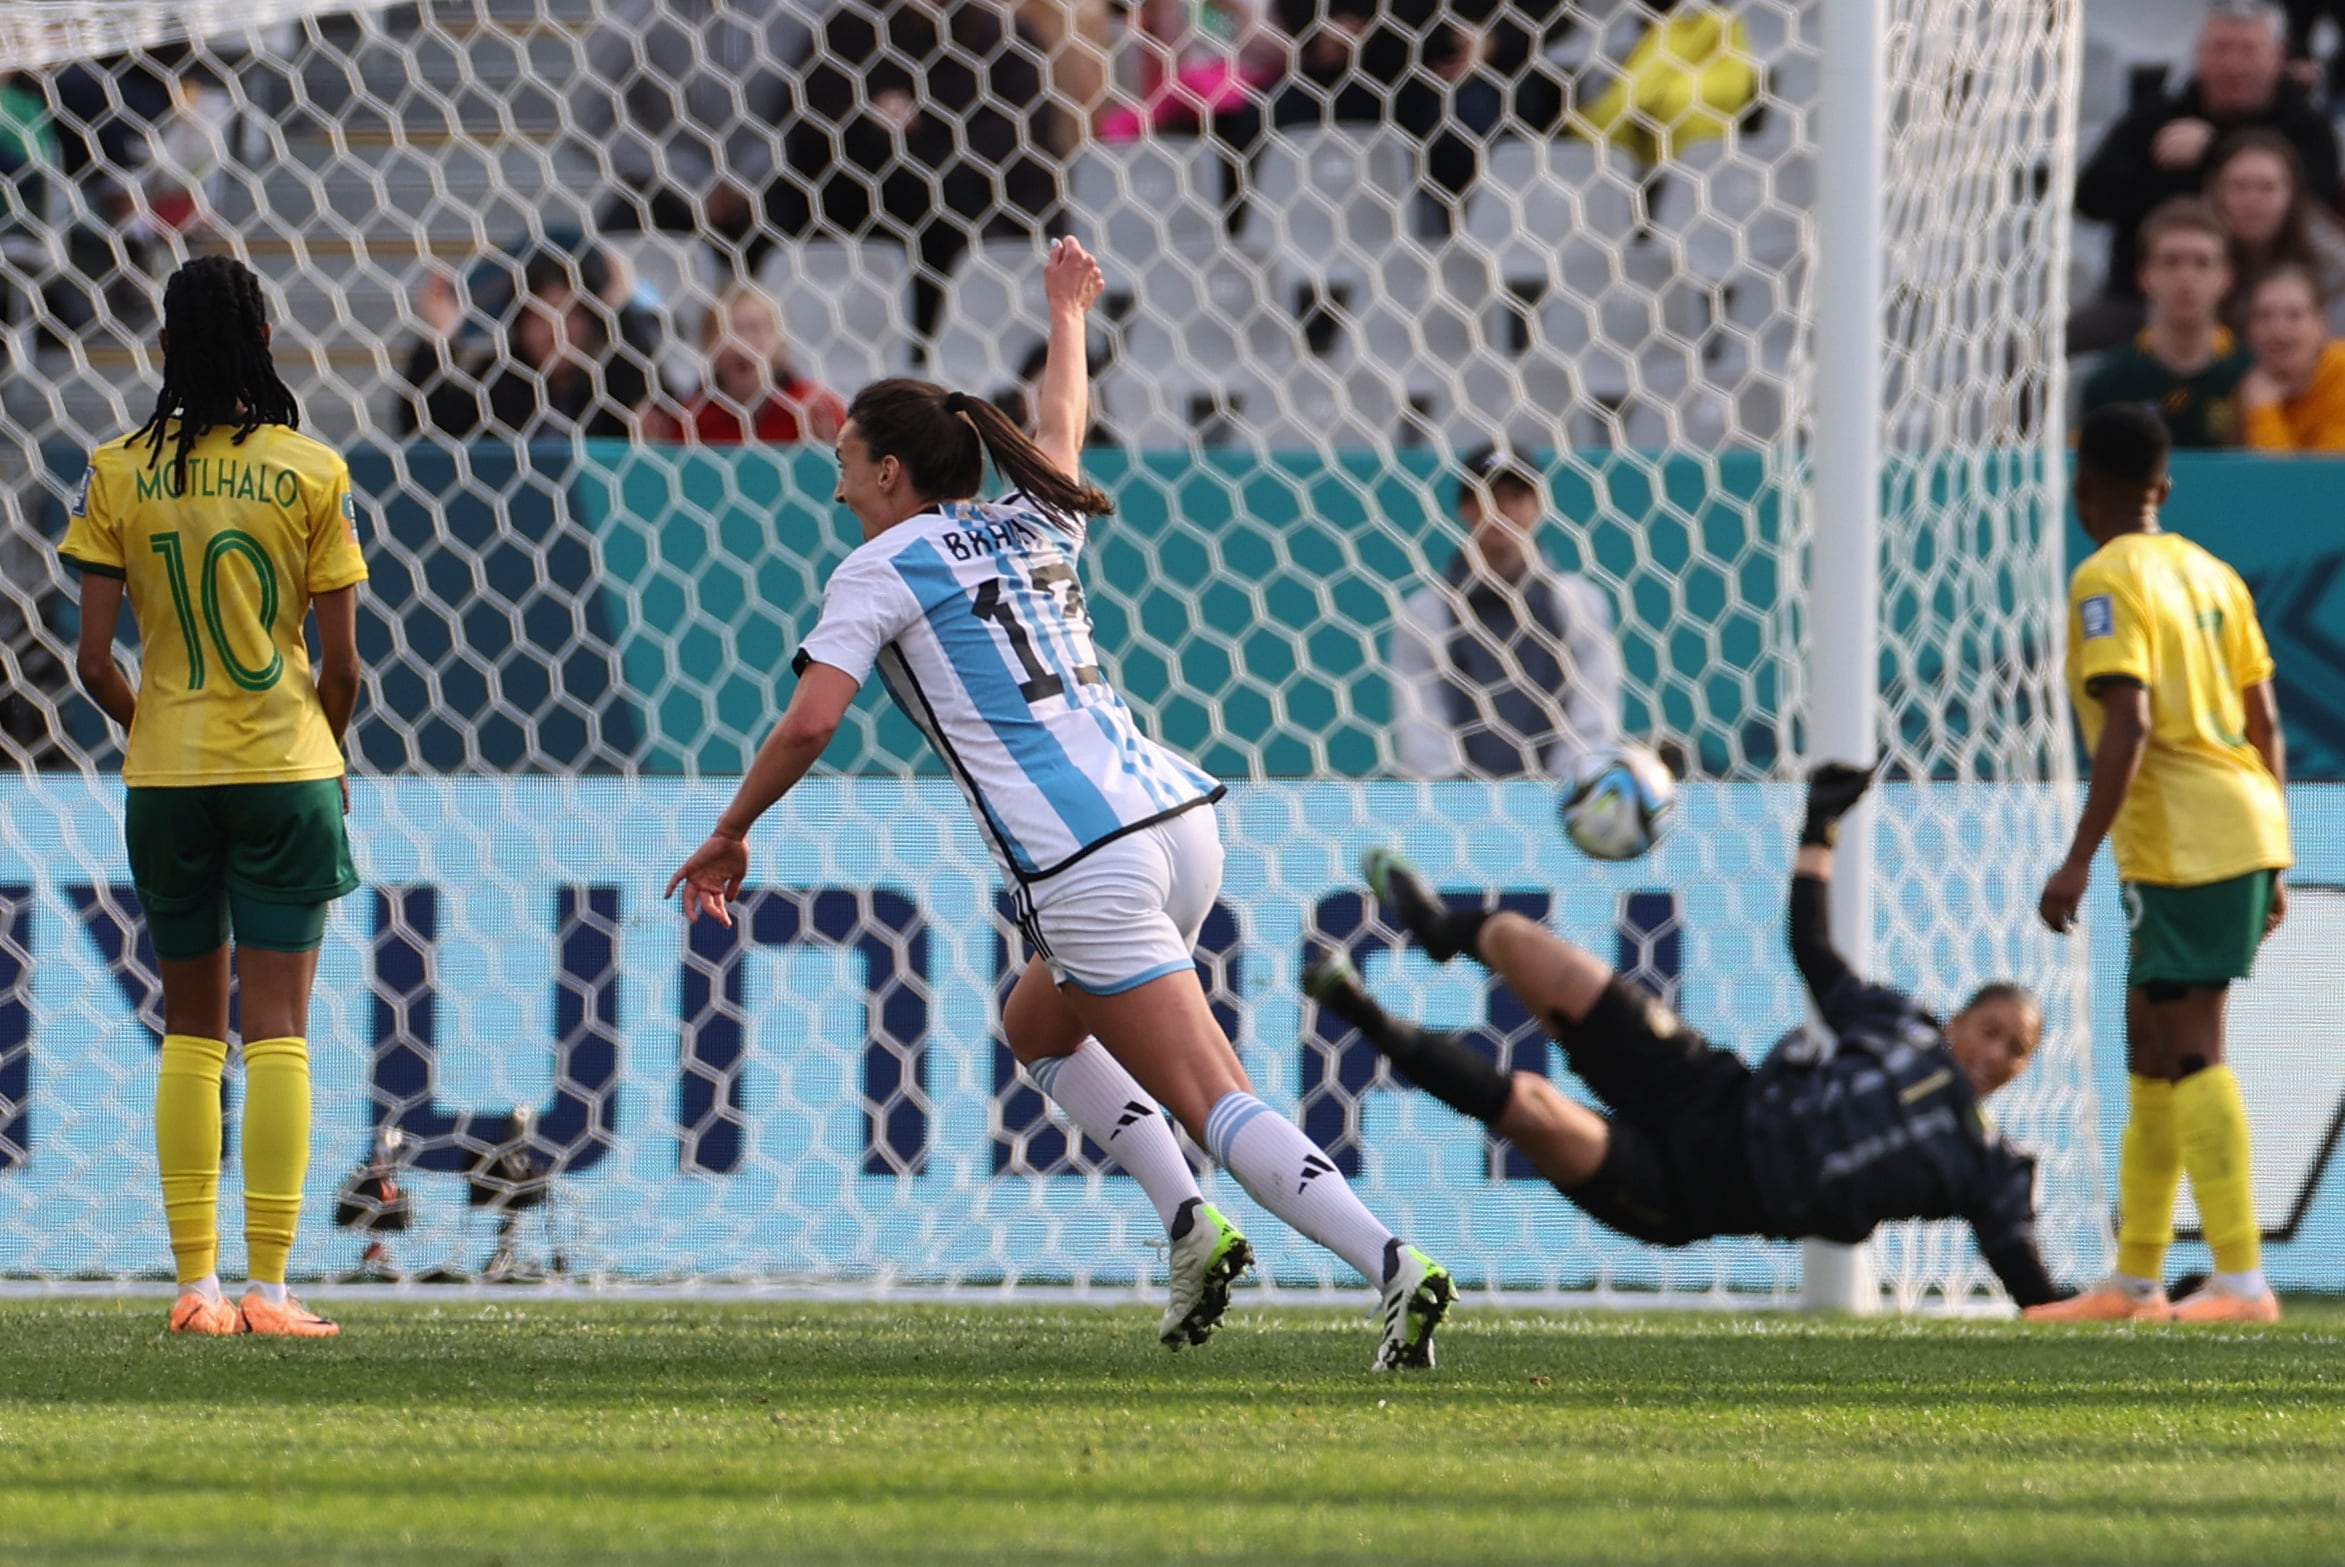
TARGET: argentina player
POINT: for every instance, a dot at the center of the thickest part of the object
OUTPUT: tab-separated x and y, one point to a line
1811	1143
972	615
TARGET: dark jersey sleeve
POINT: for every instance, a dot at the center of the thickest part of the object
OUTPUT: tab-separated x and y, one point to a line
2005	1226
1825	971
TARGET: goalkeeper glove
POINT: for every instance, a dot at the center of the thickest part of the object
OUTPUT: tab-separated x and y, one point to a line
1833	790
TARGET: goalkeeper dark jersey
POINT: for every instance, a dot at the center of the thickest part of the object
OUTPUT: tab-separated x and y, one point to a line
1876	1121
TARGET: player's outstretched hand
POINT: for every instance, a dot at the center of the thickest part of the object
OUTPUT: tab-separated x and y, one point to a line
1071	277
1833	790
712	877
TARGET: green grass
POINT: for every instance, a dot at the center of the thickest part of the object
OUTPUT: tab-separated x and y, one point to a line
521	1431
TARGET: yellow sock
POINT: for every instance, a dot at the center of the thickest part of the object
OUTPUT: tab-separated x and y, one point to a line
276	1150
187	1149
2212	1117
2149	1173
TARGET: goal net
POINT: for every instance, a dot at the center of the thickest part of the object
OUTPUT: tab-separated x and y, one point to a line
531	262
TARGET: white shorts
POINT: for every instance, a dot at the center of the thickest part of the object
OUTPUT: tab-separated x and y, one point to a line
1129	911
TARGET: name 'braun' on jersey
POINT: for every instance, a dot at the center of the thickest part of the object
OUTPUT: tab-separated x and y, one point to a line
973	616
1884	1126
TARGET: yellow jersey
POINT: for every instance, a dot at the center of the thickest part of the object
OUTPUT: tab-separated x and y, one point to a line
2155	608
220	573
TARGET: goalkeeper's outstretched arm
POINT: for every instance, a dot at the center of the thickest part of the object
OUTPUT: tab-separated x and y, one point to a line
2020	1267
1833	790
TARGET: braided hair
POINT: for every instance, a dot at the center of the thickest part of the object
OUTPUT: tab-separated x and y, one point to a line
216	365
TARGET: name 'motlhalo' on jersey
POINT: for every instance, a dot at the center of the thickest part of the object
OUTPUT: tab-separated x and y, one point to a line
220	564
974	618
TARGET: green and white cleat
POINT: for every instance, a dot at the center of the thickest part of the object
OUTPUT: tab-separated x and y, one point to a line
1417	1295
1208	1254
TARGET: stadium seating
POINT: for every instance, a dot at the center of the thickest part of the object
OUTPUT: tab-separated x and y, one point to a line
1618	302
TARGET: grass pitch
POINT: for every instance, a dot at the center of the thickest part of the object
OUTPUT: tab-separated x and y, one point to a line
523	1431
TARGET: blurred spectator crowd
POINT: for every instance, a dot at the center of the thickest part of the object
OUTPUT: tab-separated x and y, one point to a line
926	129
2225	293
923	128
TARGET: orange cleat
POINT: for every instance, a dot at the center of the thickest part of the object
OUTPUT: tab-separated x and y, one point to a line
2104	1302
291	1320
2211	1302
214	1316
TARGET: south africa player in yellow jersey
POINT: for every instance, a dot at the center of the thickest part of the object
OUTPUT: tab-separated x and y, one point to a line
227	530
2173	685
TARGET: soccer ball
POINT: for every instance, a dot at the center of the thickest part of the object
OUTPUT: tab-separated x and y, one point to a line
1620	803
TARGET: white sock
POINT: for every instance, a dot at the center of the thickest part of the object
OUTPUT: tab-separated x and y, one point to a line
274	1294
1115	1112
2246	1286
208	1287
1287	1173
2139	1289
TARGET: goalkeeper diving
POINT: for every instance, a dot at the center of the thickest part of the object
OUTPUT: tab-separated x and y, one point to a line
1833	1133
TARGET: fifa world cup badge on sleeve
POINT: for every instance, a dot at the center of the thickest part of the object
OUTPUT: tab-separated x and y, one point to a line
81	492
2098	617
349	513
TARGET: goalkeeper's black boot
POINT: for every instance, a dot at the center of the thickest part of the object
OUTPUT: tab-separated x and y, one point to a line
1335	984
1443	931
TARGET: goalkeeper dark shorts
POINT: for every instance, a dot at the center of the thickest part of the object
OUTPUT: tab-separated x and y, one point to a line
259	860
1677	1170
1674	1182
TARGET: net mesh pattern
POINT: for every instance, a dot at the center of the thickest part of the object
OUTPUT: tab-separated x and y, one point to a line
1597	252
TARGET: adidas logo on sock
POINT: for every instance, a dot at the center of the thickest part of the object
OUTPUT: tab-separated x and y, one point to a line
1134	1110
1314	1166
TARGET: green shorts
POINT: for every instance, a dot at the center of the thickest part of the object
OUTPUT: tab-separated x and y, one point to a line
261	860
2203	936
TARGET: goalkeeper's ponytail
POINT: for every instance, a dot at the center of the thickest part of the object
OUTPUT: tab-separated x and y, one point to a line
944	438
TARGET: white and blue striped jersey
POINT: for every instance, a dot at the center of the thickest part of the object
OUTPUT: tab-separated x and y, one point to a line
973	617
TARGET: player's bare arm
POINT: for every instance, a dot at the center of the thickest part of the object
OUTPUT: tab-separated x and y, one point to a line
2264	733
2125	739
1072	281
337	671
712	877
101	677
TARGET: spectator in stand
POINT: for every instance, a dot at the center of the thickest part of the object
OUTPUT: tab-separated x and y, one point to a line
2185	363
685	102
1197	62
2163	149
28	152
2257	189
133	137
1350	58
574	359
2304	18
1506	667
1446	74
752	393
2295	396
1689	78
927	123
1073	38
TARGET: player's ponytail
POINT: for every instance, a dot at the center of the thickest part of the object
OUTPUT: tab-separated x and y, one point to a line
216	367
944	438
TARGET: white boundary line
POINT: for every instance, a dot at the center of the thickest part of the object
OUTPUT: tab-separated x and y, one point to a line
1023	1296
